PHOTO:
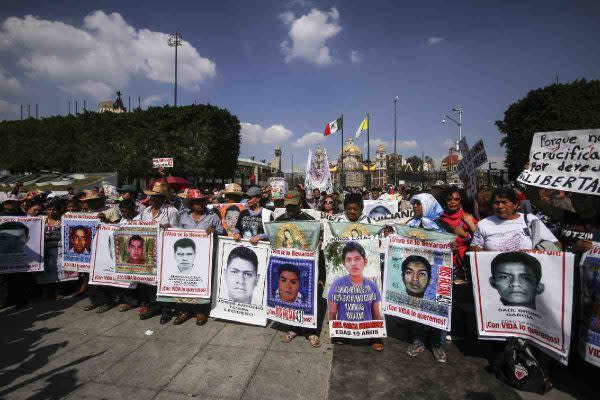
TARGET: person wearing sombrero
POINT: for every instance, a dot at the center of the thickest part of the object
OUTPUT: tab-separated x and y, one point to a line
194	216
233	193
166	216
92	201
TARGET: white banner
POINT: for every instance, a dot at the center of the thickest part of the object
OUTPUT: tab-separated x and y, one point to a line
102	269
240	282
185	263
380	209
525	294
162	162
565	160
21	244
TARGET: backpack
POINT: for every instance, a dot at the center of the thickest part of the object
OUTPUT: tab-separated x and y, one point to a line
518	367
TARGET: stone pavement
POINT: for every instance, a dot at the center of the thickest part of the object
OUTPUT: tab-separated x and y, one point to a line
55	350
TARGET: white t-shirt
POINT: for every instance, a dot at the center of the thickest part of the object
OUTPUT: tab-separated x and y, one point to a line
497	234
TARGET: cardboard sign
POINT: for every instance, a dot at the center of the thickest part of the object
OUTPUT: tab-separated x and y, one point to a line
162	162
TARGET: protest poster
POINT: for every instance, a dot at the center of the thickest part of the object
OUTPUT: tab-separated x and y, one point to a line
423	234
353	229
417	285
565	160
467	167
317	174
516	297
353	288
185	263
589	343
229	216
380	209
135	252
78	232
301	235
292	287
316	214
162	163
102	268
278	187
21	244
241	273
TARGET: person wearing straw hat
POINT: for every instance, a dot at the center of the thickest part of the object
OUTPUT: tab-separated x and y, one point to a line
194	217
159	210
233	193
93	201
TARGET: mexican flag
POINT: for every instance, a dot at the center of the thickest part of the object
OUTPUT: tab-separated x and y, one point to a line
334	126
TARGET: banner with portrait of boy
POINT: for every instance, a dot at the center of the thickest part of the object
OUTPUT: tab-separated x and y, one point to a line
185	263
241	272
229	215
301	235
418	281
292	287
353	288
21	244
78	232
589	343
516	297
135	252
102	269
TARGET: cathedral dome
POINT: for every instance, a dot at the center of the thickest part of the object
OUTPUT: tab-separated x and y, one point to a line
350	149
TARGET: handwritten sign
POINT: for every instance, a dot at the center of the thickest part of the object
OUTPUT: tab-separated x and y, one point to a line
162	162
565	160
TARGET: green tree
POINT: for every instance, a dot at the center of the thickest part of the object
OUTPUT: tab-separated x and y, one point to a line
557	107
415	162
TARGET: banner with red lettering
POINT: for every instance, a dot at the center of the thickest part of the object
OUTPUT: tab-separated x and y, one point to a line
135	252
527	294
589	343
292	287
418	281
353	288
185	263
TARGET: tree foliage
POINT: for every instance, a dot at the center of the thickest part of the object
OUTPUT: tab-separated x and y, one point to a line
204	140
557	107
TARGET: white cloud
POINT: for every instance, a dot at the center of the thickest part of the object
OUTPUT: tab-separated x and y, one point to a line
308	34
152	100
8	83
254	133
300	3
105	52
309	139
432	41
389	144
95	89
355	57
448	143
287	17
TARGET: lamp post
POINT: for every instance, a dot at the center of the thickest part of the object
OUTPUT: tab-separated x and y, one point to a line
175	41
459	122
395	153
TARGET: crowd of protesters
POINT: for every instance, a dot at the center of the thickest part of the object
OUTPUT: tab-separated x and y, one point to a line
498	219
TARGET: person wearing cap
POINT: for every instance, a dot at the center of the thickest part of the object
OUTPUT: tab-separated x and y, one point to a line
130	192
159	210
195	217
250	224
10	206
293	212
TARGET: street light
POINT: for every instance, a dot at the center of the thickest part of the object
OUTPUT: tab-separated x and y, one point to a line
459	122
175	41
395	154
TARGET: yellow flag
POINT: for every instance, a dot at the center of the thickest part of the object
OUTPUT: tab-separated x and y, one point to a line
364	126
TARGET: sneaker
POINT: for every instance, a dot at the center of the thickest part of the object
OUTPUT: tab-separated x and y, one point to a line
415	348
439	354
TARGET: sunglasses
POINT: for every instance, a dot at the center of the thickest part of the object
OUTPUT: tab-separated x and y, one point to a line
328	202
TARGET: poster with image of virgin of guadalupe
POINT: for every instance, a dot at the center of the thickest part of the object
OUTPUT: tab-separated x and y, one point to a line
185	263
135	252
301	235
353	229
241	272
589	343
418	281
526	294
353	288
21	244
292	287
102	269
78	232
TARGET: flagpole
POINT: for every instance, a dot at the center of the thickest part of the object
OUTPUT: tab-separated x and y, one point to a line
342	162
368	153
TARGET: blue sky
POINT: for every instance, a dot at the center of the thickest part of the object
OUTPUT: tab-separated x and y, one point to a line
286	68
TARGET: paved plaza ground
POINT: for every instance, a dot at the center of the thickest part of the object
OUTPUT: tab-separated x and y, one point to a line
55	350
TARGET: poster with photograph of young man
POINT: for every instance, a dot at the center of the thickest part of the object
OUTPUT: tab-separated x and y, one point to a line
229	215
292	287
185	263
589	343
135	252
526	294
21	244
240	281
418	281
78	232
102	269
